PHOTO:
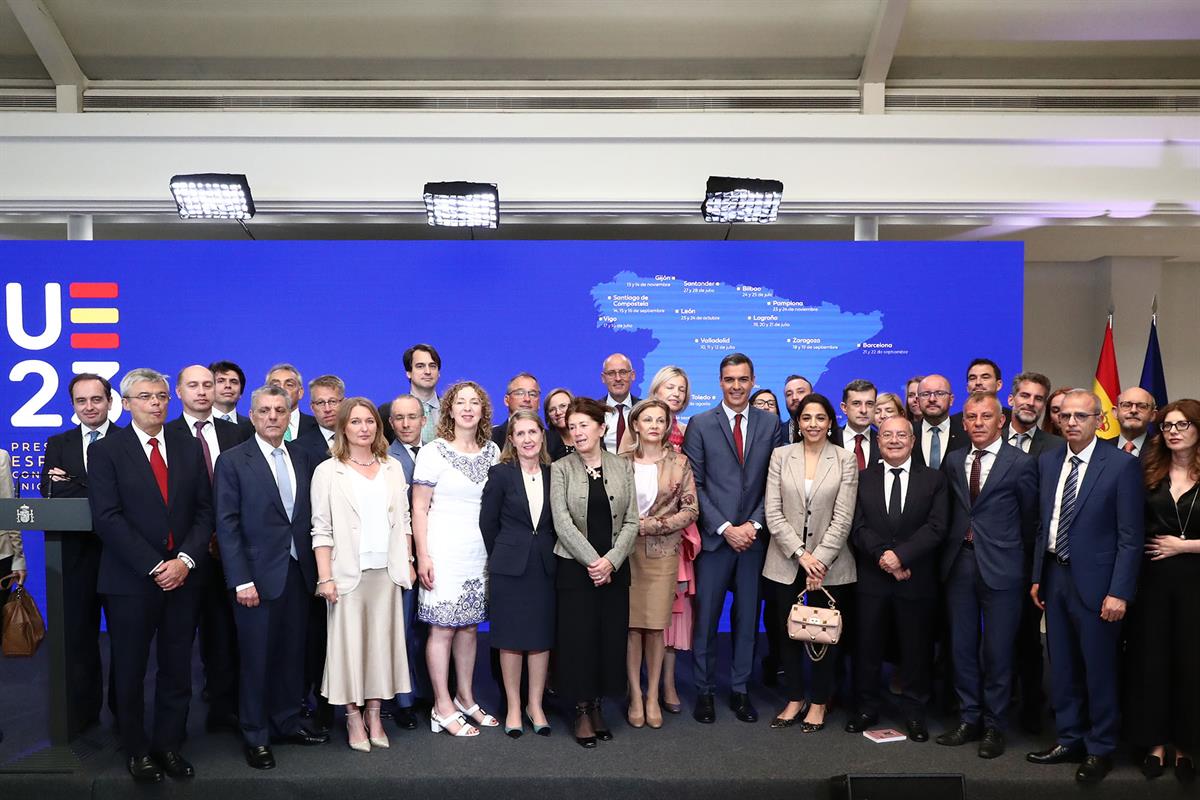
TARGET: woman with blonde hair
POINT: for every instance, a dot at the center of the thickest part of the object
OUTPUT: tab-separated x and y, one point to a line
448	480
888	405
361	542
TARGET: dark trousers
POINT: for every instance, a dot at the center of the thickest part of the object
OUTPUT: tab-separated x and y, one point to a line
1029	669
415	633
271	637
314	649
912	619
718	571
592	633
981	619
134	621
1163	686
82	605
770	620
1083	655
794	655
218	643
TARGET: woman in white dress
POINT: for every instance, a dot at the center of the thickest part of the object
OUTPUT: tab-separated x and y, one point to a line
448	481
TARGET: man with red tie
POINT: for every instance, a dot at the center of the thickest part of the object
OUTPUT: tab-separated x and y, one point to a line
618	376
152	508
858	404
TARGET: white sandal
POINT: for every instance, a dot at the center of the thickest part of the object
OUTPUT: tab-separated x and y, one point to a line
438	724
488	720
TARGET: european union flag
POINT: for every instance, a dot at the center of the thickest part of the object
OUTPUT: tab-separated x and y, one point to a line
1153	380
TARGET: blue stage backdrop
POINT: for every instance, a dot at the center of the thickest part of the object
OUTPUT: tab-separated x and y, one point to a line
832	311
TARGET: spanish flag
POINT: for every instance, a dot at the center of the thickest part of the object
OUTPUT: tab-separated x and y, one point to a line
1107	386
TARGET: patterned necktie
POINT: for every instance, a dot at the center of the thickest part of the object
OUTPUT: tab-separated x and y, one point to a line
620	424
285	488
92	437
858	451
199	425
976	474
935	448
1128	448
738	447
894	502
227	418
158	465
1066	510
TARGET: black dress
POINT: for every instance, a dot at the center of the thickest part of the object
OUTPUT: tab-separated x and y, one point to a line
1163	632
593	621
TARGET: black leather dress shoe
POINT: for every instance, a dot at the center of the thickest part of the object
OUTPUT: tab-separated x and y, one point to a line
143	769
993	744
1093	769
742	708
1058	754
917	732
861	722
705	710
1152	767
406	719
302	737
175	765
260	757
956	737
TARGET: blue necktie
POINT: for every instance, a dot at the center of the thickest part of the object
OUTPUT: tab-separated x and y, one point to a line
1066	511
92	437
285	489
226	418
935	448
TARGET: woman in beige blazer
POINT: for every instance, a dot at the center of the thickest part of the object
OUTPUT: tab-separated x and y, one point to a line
362	541
596	520
666	502
811	491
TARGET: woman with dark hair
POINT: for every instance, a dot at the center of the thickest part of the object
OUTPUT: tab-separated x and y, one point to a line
518	531
595	515
666	503
812	487
558	440
766	400
1164	650
360	509
448	480
1053	406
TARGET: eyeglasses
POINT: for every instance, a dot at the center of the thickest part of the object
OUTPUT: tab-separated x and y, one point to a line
940	394
1078	416
1126	405
617	373
765	404
326	403
899	436
146	397
525	393
409	417
1180	426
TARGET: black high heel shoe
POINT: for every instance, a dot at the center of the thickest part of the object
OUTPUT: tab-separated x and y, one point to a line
598	723
583	712
540	730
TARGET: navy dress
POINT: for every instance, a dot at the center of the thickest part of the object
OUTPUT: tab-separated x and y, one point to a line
521	560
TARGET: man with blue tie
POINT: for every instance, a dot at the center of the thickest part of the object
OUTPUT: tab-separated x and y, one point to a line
1085	570
730	448
934	434
993	521
229	382
407	419
264	526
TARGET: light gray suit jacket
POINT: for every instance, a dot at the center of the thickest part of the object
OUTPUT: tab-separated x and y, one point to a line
820	524
568	502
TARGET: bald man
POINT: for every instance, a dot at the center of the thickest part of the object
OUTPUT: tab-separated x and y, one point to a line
1135	414
934	432
618	376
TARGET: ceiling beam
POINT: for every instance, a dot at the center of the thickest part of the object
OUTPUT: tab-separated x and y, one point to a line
47	40
878	58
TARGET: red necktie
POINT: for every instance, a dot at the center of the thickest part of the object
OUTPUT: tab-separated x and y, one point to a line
858	451
159	467
973	486
737	438
1128	448
200	423
620	424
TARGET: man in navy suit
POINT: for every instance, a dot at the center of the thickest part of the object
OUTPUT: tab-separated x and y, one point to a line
64	469
858	404
229	383
1085	570
264	524
729	448
993	521
934	434
618	375
152	507
289	379
407	419
325	395
522	394
1135	416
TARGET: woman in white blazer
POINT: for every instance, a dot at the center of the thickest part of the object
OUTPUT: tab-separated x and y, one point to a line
362	540
811	490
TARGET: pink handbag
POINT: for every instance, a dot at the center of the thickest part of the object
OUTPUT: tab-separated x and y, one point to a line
816	627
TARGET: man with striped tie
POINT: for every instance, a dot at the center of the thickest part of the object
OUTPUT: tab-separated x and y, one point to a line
1085	570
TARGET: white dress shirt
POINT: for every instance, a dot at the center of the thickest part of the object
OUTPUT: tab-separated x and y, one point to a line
103	430
1085	456
848	434
329	436
209	432
267	449
145	438
294	425
889	479
985	467
927	438
610	421
1012	437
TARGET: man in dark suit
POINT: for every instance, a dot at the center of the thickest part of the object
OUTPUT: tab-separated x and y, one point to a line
407	421
899	524
195	388
858	436
993	522
264	524
152	507
325	395
64	474
983	375
729	448
1135	416
1028	403
795	389
229	383
1085	570
618	375
289	378
934	435
523	394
